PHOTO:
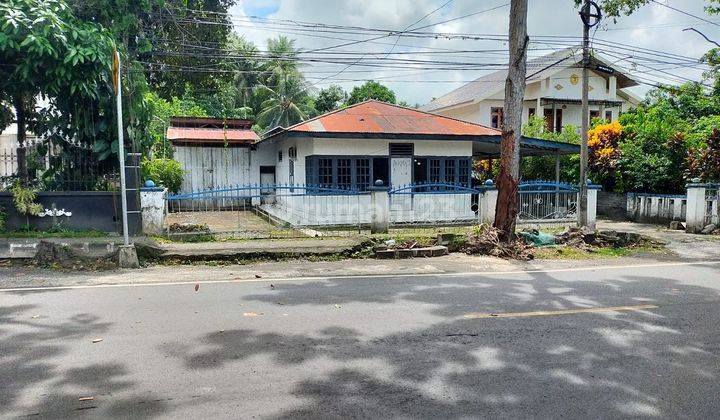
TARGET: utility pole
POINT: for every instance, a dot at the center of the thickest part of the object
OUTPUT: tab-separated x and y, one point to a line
127	255
590	16
121	147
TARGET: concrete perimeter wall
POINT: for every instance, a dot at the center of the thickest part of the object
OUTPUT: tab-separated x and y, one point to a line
612	205
81	210
337	210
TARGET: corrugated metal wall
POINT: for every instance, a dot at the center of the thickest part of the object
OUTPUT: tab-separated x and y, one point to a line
213	167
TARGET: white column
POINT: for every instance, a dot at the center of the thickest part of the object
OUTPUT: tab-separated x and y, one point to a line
696	207
380	205
592	206
486	204
152	207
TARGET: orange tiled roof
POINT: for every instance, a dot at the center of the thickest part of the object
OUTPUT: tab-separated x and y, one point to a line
383	118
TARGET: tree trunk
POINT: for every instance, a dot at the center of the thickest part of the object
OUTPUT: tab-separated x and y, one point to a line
506	209
20	117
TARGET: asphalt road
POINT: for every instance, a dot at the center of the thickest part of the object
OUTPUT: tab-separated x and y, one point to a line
618	342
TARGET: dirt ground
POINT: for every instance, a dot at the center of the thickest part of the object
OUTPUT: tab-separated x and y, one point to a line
224	221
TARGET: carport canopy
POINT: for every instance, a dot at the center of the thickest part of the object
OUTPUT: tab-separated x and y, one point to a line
489	147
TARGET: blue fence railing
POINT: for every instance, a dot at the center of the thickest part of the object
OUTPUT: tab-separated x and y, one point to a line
261	190
530	187
434	188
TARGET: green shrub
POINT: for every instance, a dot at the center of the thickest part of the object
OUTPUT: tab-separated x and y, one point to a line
165	172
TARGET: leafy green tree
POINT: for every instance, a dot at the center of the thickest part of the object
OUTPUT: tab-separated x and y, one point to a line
161	111
167	34
371	90
543	167
704	163
653	150
46	51
287	103
615	8
165	172
330	99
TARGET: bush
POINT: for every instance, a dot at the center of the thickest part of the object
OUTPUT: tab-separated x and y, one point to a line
165	172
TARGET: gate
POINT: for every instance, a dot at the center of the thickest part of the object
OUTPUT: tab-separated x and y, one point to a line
433	204
547	202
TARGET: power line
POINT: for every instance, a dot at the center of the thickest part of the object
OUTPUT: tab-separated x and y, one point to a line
685	13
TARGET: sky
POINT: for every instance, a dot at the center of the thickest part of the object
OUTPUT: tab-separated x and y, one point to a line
653	27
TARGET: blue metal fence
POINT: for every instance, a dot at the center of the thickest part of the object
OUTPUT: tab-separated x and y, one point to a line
543	201
434	188
248	191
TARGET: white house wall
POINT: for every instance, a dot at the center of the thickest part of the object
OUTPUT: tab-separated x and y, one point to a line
558	86
381	147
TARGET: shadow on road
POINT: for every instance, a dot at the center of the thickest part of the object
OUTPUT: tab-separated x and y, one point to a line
651	362
32	348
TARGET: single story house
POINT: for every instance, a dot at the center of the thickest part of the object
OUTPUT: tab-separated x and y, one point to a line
358	145
553	91
318	172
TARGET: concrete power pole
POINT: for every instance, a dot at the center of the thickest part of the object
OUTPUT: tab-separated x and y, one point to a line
590	15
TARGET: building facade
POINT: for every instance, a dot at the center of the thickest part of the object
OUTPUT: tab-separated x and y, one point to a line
553	92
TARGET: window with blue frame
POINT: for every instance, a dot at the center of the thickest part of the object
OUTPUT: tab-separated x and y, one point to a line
350	172
325	172
344	174
362	173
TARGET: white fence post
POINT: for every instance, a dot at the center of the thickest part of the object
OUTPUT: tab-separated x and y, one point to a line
696	208
152	207
487	203
592	205
380	205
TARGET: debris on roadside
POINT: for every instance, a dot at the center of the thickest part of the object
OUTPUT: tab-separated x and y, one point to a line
97	340
536	237
709	229
486	241
677	225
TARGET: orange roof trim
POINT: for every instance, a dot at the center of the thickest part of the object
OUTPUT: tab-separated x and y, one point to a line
211	135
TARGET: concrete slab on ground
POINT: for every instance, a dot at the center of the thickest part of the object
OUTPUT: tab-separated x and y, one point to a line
687	246
224	221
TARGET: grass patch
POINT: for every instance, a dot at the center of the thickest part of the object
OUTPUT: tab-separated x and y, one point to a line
54	233
560	252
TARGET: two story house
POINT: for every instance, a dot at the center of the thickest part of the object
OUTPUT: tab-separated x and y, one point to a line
553	92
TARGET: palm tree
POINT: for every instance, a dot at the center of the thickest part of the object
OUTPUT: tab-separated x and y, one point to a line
282	59
246	68
285	104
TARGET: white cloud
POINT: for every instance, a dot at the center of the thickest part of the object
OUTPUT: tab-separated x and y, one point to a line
657	28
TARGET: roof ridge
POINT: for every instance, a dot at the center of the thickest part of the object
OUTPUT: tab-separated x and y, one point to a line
486	77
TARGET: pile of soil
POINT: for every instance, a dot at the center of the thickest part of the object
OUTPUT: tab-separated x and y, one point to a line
188	228
585	239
